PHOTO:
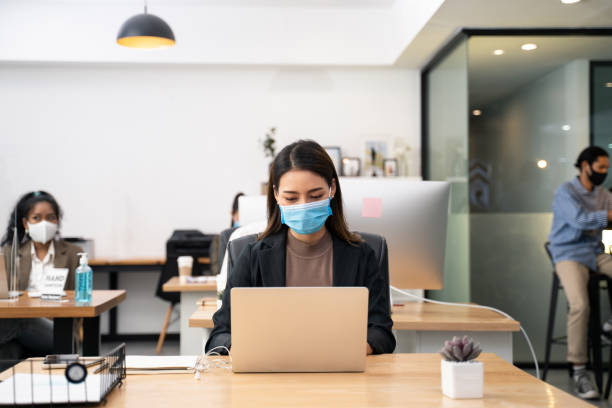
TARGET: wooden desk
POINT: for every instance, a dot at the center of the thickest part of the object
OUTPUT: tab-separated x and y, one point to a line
430	316
191	293
126	262
175	285
423	327
390	380
63	314
129	265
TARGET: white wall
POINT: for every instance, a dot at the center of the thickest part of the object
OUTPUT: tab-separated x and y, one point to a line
134	152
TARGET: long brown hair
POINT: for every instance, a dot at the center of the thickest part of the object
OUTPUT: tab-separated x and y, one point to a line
307	155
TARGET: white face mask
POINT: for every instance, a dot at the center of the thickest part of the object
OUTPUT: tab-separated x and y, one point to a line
42	232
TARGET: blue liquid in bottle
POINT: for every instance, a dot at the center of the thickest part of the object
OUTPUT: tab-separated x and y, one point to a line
83	281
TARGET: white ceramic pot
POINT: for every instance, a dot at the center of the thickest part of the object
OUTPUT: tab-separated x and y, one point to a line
462	379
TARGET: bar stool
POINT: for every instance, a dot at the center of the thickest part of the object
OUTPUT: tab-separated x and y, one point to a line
594	286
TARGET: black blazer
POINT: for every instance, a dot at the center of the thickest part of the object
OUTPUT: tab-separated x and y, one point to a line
262	264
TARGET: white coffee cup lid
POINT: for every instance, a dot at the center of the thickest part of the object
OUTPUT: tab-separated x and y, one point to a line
185	260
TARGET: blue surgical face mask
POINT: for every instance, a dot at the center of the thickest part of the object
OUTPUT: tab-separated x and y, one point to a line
306	218
235	224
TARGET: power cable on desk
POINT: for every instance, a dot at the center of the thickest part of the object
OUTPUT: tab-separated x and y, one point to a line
535	361
204	363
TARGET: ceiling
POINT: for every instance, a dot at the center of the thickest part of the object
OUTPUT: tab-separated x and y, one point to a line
493	77
456	14
216	32
382	33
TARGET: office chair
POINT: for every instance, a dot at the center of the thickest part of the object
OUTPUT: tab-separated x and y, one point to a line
224	237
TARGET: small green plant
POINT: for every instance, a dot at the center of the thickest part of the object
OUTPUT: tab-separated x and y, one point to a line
220	295
269	143
460	349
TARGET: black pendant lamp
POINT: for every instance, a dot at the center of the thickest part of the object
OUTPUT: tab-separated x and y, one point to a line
145	31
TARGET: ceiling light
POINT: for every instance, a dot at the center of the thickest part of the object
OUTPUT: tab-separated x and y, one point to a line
608	84
145	31
570	1
566	127
476	112
542	164
529	47
498	52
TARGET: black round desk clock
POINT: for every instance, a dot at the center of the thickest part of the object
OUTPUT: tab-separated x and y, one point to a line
76	373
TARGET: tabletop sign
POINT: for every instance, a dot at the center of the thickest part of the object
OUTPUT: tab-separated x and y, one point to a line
53	284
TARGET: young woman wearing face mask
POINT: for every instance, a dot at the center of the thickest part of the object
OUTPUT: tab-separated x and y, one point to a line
307	243
38	218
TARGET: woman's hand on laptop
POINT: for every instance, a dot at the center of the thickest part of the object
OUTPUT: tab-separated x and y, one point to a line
369	349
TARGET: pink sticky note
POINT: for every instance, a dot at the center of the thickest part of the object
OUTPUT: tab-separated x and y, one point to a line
372	208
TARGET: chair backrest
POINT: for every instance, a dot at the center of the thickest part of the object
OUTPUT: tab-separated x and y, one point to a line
377	242
235	248
224	237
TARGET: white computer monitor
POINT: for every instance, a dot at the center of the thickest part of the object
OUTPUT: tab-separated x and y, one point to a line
411	215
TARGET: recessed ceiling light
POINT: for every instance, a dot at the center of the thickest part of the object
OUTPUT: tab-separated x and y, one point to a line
566	127
542	164
608	84
570	1
476	112
498	52
529	47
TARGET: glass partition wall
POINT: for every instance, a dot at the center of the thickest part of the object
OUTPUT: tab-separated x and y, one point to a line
505	117
446	87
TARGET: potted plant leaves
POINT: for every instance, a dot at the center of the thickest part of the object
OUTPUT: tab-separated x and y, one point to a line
462	376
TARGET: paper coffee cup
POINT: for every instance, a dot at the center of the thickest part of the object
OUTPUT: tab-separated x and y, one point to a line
185	264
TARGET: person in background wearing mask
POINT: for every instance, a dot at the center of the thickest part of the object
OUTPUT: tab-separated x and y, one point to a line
307	243
581	210
235	222
38	217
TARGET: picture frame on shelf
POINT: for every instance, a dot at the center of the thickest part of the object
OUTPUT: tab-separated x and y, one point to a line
335	154
375	152
351	166
390	167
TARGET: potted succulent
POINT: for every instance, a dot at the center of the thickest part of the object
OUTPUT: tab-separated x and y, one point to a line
462	376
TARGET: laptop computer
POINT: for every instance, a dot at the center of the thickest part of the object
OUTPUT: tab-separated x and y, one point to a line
299	329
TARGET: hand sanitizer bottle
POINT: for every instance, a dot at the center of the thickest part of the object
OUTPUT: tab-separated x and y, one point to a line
83	281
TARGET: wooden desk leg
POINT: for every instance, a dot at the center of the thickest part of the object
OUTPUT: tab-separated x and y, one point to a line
91	336
62	336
